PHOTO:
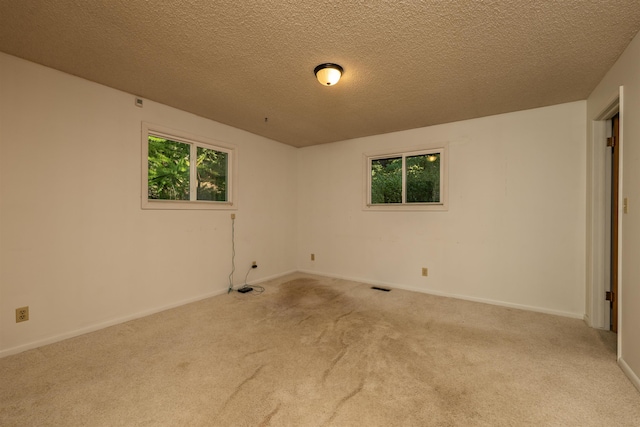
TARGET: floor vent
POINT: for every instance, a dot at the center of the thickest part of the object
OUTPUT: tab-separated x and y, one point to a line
377	288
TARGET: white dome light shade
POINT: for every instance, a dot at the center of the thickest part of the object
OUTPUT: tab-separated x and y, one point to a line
328	74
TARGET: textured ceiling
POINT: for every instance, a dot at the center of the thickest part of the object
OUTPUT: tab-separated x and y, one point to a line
408	64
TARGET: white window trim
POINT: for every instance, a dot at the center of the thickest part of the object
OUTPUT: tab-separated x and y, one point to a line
443	205
194	141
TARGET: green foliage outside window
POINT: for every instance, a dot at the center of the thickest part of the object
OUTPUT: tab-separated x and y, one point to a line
386	180
169	171
212	175
422	177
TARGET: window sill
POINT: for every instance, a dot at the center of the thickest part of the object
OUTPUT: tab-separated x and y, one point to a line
186	205
407	207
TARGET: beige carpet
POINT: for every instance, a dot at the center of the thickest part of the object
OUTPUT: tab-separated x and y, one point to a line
312	351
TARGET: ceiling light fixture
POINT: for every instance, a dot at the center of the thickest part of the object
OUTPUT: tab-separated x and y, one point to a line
328	74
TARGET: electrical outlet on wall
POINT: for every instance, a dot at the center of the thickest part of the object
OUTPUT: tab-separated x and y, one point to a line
22	314
425	271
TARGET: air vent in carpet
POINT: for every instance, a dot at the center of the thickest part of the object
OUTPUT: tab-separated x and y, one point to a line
377	288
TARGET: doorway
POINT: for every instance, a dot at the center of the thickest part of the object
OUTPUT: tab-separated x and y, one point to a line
599	215
613	142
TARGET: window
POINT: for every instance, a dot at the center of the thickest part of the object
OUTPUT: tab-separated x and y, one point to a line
408	180
185	172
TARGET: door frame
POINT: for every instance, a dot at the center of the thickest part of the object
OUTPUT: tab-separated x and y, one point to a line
598	237
614	178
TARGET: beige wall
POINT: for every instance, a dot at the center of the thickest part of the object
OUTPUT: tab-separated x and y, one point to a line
626	73
514	231
75	245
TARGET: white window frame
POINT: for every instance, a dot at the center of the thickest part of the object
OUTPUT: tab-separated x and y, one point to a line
194	142
443	205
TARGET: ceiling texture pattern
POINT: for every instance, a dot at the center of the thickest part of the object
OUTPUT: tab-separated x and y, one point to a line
407	63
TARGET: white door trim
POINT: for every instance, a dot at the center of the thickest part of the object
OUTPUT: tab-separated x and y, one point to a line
598	214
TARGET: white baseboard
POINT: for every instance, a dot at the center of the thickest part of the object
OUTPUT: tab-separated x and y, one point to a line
116	321
629	373
450	295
